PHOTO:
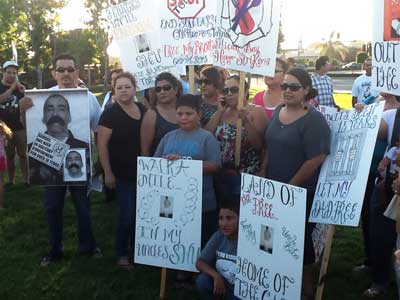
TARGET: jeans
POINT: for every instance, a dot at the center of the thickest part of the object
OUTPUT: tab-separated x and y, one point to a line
205	285
54	204
365	217
209	225
228	186
382	240
125	192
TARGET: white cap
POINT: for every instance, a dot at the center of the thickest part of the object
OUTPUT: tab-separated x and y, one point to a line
10	63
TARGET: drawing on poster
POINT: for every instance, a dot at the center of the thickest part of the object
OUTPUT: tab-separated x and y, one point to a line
345	157
266	239
391	27
244	21
166	207
75	165
142	43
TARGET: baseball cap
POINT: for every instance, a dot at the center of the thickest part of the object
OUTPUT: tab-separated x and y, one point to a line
10	63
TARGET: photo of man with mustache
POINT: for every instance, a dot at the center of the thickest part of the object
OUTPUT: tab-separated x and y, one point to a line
56	118
73	166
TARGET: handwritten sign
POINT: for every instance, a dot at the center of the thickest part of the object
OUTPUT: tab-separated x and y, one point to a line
48	150
386	46
271	240
343	177
249	38
168	213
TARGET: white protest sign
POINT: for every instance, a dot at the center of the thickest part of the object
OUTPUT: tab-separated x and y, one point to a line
48	150
386	46
271	240
343	177
168	213
136	33
58	121
249	38
188	31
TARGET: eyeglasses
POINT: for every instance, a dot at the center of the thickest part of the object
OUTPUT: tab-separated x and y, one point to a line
62	70
166	88
232	90
204	81
293	87
278	71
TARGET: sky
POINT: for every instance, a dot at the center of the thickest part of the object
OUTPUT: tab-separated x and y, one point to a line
309	20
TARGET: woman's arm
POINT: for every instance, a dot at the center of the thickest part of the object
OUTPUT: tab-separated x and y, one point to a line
307	170
147	132
209	167
103	138
255	123
212	125
383	130
219	285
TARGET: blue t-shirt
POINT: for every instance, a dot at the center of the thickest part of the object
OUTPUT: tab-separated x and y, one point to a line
198	145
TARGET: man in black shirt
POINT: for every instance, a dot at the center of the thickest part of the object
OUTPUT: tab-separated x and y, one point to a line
11	91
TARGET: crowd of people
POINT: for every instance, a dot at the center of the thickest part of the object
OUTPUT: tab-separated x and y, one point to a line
284	138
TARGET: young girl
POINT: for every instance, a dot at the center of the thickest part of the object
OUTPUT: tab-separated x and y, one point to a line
5	133
217	261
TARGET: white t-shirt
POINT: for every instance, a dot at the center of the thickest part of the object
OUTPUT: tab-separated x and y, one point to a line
362	88
389	116
94	109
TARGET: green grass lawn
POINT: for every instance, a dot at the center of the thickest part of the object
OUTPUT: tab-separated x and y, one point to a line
23	241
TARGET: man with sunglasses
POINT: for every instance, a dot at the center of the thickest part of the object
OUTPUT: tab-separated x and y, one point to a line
323	83
11	92
65	72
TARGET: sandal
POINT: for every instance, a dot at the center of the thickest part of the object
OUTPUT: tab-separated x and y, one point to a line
123	262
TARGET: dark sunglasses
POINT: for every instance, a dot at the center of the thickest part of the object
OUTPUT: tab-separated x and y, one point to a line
204	81
232	90
62	70
163	88
293	87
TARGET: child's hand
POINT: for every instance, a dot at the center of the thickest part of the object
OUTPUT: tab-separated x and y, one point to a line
172	157
219	286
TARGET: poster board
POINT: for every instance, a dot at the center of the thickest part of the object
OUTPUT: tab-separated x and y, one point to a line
343	177
271	240
168	213
386	46
58	122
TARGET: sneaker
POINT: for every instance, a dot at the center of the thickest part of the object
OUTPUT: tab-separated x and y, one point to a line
362	269
123	262
48	259
375	291
96	253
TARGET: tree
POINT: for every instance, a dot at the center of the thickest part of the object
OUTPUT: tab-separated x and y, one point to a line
361	57
281	38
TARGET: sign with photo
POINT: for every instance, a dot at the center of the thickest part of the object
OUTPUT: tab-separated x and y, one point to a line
58	125
343	178
168	212
271	240
386	46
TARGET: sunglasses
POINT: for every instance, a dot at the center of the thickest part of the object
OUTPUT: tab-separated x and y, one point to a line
166	88
62	70
232	90
204	81
293	87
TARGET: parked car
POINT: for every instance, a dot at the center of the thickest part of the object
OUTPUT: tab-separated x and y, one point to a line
352	66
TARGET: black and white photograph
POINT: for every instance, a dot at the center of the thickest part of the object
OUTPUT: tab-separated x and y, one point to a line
166	207
75	165
267	239
57	115
142	43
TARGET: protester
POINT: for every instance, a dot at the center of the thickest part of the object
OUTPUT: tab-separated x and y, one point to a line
108	98
322	83
119	146
223	126
11	92
217	261
396	190
66	73
162	118
298	141
211	83
272	96
193	142
5	135
362	91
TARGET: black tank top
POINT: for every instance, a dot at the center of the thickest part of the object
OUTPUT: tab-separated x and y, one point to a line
162	128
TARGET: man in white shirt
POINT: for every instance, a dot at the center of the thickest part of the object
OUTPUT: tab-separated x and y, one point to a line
362	90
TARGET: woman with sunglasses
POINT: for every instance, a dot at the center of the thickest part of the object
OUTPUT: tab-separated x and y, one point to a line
211	82
297	143
162	118
223	126
118	139
272	96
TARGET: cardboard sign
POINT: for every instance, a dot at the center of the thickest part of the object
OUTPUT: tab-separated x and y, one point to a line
168	213
58	122
343	177
386	46
271	240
